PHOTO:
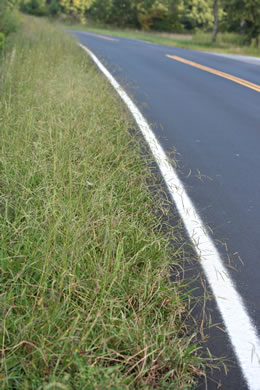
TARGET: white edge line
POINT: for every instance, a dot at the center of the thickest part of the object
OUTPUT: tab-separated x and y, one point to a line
246	59
239	326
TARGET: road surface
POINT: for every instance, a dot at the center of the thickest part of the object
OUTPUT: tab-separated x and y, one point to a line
206	108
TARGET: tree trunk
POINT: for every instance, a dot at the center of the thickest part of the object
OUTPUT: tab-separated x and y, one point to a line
215	26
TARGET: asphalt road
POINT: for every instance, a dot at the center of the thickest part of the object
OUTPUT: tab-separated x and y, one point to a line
213	124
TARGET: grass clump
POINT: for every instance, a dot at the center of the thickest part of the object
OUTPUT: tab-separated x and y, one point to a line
85	298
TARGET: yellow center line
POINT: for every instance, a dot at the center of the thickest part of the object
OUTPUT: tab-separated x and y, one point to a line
245	83
103	37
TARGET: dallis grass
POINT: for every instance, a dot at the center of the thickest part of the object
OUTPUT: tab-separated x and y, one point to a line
229	43
85	298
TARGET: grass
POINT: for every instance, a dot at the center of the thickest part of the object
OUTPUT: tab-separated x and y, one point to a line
229	43
85	298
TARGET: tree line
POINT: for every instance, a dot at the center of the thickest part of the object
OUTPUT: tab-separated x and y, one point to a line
241	16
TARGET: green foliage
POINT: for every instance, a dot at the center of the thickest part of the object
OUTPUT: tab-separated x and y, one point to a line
2	40
54	8
198	14
76	8
35	7
178	15
244	16
124	13
121	13
158	15
8	18
101	11
41	7
241	16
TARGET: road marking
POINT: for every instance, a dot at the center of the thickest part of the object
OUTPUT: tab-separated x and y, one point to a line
101	36
245	83
239	326
236	57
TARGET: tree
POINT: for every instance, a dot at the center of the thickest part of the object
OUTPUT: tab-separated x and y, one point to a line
215	24
124	13
145	14
196	13
244	17
152	12
101	10
34	7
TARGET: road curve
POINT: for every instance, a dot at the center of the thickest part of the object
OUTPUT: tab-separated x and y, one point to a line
213	122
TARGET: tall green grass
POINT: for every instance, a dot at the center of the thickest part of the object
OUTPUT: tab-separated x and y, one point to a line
85	298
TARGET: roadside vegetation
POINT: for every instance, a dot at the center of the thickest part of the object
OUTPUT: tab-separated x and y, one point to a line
86	301
229	43
9	21
231	26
